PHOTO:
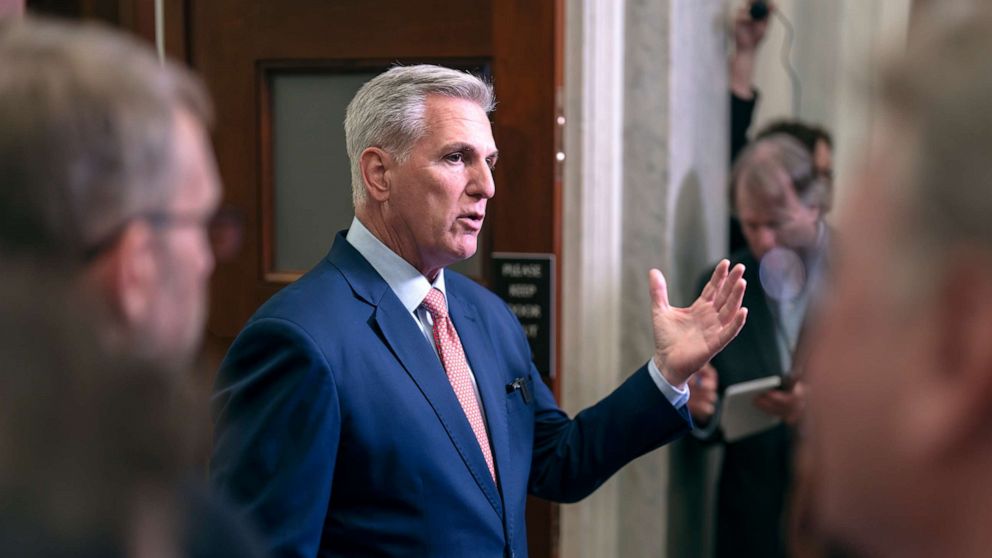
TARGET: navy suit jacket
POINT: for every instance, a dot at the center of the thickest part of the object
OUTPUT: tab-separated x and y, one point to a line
337	429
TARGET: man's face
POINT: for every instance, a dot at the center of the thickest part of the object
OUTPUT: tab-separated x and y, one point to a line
867	366
438	194
185	254
769	223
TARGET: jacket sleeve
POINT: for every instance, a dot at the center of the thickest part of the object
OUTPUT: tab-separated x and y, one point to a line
277	430
741	114
573	457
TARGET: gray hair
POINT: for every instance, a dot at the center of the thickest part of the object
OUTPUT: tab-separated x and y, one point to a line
387	112
87	127
941	91
759	168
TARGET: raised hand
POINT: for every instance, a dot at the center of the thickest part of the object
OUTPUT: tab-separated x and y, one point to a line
748	33
787	405
687	338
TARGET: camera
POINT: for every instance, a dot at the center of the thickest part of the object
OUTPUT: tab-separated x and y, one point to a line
759	10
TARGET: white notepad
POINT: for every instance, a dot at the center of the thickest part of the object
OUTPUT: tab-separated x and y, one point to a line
740	418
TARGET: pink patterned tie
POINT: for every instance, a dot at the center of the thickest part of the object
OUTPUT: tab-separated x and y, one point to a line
449	347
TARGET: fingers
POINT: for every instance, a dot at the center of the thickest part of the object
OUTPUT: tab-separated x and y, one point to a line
716	280
783	404
707	371
658	288
704	383
743	15
732	328
726	291
702	393
777	397
737	323
768	406
799	390
734	300
702	404
702	411
776	403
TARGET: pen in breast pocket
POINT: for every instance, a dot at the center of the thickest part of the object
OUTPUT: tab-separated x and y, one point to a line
520	384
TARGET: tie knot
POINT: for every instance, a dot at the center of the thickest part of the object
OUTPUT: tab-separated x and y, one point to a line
434	303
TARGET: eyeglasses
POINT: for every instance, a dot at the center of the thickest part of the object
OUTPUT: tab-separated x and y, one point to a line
224	229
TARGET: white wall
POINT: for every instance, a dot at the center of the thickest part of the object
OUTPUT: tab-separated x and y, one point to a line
646	139
645	174
592	197
838	50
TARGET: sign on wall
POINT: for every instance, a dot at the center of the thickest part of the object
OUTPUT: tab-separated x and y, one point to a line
526	283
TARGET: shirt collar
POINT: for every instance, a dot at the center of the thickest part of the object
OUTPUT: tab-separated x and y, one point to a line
409	285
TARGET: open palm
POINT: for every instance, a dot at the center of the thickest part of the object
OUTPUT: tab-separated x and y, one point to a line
687	338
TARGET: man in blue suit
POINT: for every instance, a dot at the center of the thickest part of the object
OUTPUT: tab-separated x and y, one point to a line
382	406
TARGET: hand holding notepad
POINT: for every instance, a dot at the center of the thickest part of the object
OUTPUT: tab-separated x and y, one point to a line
740	417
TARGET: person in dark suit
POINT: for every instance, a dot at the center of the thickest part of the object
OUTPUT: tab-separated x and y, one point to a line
781	201
384	406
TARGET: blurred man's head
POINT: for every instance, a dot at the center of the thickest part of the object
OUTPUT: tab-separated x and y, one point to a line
815	139
422	151
777	197
901	396
107	173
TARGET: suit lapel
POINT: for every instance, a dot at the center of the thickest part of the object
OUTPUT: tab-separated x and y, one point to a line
404	338
492	388
420	361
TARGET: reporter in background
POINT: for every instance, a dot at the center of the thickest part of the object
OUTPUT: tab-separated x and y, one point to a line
780	201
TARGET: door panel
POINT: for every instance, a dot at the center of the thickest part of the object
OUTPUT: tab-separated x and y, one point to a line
235	43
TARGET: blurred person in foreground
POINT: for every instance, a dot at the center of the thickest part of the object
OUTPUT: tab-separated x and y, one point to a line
109	176
781	201
109	182
900	438
383	405
91	444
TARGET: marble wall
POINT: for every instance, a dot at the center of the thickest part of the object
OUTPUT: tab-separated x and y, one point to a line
592	244
645	177
645	186
838	51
